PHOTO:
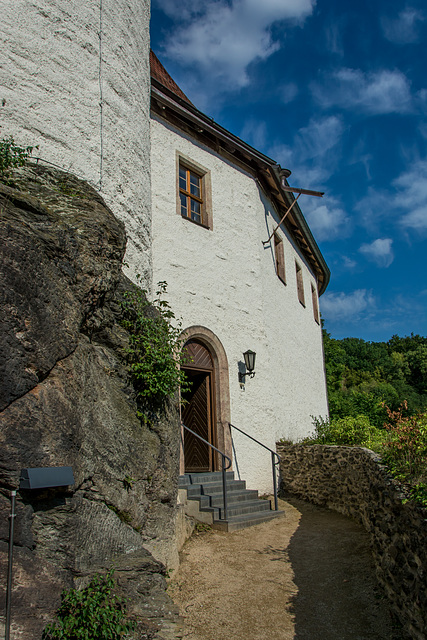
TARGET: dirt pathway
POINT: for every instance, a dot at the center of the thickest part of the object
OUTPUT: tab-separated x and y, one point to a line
305	576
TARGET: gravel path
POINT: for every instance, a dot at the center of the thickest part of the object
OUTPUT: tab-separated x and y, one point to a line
305	576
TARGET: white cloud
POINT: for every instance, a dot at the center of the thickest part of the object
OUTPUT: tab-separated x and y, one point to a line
220	39
379	251
314	152
312	158
348	263
404	28
327	220
412	196
318	137
405	203
374	93
341	306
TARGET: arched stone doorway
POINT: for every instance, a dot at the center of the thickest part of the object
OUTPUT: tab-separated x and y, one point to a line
207	407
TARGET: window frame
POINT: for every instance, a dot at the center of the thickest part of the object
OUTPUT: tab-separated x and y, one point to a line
279	257
205	199
300	283
315	300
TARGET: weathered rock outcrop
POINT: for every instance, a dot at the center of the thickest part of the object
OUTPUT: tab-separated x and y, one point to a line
66	399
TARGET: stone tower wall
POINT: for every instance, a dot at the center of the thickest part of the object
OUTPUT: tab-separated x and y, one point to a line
74	79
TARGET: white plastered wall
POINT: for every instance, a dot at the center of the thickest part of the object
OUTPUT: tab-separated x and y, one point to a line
224	279
59	60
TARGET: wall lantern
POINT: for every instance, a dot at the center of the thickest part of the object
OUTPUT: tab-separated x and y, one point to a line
38	478
249	357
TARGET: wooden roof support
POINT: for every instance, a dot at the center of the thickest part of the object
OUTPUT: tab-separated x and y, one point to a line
277	226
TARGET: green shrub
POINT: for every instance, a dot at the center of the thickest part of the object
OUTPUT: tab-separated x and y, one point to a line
12	156
348	431
405	447
92	613
154	352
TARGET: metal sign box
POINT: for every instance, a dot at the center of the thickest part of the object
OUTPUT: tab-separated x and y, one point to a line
45	477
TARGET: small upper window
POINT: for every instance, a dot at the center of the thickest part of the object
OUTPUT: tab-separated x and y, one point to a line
315	304
279	257
191	194
300	284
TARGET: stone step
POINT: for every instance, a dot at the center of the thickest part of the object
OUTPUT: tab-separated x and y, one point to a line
205	477
214	488
244	508
235	523
217	500
238	509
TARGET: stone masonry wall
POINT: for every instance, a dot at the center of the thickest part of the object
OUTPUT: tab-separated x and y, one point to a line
353	481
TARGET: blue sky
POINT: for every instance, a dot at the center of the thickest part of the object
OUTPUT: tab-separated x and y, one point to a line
337	93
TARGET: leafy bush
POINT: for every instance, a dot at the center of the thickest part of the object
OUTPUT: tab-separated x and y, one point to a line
154	352
348	431
12	155
405	449
402	443
92	613
360	375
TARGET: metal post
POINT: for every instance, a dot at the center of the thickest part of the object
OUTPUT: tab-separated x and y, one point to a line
9	566
276	504
224	486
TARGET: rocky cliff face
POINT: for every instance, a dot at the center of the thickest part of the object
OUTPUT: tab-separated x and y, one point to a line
66	399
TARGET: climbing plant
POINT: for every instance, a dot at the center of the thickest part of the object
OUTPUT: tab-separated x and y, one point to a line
154	352
93	613
12	156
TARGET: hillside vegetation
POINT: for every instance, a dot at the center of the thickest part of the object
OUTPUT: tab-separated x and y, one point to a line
378	399
363	375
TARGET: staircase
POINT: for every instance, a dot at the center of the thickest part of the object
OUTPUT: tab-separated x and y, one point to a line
202	495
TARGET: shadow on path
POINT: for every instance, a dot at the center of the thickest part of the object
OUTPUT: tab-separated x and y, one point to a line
338	597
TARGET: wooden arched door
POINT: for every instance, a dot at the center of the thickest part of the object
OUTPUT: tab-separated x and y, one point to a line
198	411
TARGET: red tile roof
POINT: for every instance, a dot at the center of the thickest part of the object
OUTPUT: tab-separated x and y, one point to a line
159	73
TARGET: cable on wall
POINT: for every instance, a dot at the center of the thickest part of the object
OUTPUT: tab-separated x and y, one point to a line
101	99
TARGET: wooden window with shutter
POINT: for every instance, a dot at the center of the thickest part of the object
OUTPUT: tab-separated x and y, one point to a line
279	258
315	304
300	284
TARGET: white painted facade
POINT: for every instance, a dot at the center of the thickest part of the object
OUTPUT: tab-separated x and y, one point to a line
75	80
225	280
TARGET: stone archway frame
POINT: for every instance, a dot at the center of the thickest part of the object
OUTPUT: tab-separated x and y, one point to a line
222	388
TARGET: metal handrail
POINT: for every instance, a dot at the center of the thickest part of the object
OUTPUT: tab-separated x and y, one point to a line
274	463
224	468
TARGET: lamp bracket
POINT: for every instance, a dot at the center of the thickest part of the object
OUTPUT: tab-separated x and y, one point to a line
242	376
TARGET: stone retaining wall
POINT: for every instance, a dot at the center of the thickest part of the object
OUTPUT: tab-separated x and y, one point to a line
353	481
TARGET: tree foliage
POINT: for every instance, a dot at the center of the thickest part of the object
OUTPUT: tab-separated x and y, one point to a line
361	376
